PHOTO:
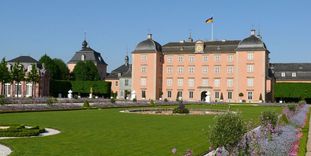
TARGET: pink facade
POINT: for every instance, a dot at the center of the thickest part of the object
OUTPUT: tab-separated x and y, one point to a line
202	71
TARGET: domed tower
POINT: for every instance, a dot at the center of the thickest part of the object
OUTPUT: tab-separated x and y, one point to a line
147	69
252	69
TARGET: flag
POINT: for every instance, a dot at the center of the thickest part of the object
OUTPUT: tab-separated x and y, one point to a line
209	20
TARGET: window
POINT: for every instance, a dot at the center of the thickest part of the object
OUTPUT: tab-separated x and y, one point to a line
18	88
169	94
29	68
205	82
229	69
179	94
169	59
191	82
169	82
180	82
82	57
205	70
216	95
143	69
143	81
143	94
191	70
180	70
28	89
191	59
205	58
217	69
116	83
216	82
229	95
180	59
8	89
283	74
249	95
250	68
250	56
229	83
126	82
250	82
143	58
294	75
190	94
217	57
230	58
169	70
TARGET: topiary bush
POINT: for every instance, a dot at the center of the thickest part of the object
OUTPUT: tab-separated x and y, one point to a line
51	101
113	100
181	109
134	100
292	107
86	104
227	131
268	117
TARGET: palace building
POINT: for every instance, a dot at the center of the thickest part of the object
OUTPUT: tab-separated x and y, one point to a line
89	54
211	71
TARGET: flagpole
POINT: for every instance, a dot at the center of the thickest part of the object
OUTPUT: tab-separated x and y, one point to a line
212	30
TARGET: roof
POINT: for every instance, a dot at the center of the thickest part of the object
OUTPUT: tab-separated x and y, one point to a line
302	70
24	59
210	46
124	71
148	45
253	42
89	55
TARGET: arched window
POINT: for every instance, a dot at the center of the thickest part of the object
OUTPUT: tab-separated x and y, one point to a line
82	57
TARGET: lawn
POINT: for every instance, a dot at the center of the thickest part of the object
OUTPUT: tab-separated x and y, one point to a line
109	132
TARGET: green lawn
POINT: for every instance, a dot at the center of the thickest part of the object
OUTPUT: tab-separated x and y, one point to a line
109	132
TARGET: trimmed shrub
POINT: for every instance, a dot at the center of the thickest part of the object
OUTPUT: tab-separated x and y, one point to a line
86	104
152	103
51	101
113	100
292	107
2	101
227	131
165	100
20	131
268	117
134	100
181	109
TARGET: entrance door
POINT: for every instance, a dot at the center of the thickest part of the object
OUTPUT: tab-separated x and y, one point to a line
203	95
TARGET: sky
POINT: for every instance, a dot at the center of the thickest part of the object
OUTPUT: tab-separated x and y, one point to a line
115	27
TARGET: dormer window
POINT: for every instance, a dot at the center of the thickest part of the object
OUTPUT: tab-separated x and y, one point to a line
29	68
283	74
294	74
82	57
199	47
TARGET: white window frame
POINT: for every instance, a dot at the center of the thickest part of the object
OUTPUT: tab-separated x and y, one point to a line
250	82
180	82
283	74
169	70
143	81
230	58
191	70
143	58
180	59
217	57
169	59
169	82
191	82
143	69
250	68
229	69
250	56
204	82
250	95
217	69
205	58
229	83
180	70
191	59
216	82
28	89
294	74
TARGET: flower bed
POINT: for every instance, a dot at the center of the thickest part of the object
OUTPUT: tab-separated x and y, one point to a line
12	130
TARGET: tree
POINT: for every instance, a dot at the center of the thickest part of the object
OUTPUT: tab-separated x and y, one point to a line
33	77
50	66
62	68
18	75
5	75
221	96
85	71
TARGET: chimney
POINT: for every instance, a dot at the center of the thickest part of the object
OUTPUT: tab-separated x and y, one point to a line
149	36
253	32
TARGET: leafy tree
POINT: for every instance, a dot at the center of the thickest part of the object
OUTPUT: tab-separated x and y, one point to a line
85	71
5	76
50	66
62	68
18	75
227	131
34	77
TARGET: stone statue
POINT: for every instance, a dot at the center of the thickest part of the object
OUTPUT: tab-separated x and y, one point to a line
69	94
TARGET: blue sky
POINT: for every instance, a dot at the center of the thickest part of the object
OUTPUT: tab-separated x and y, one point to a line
36	27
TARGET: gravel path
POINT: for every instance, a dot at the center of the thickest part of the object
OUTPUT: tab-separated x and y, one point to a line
5	151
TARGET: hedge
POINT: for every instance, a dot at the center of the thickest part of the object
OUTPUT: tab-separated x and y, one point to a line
80	87
20	131
293	90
